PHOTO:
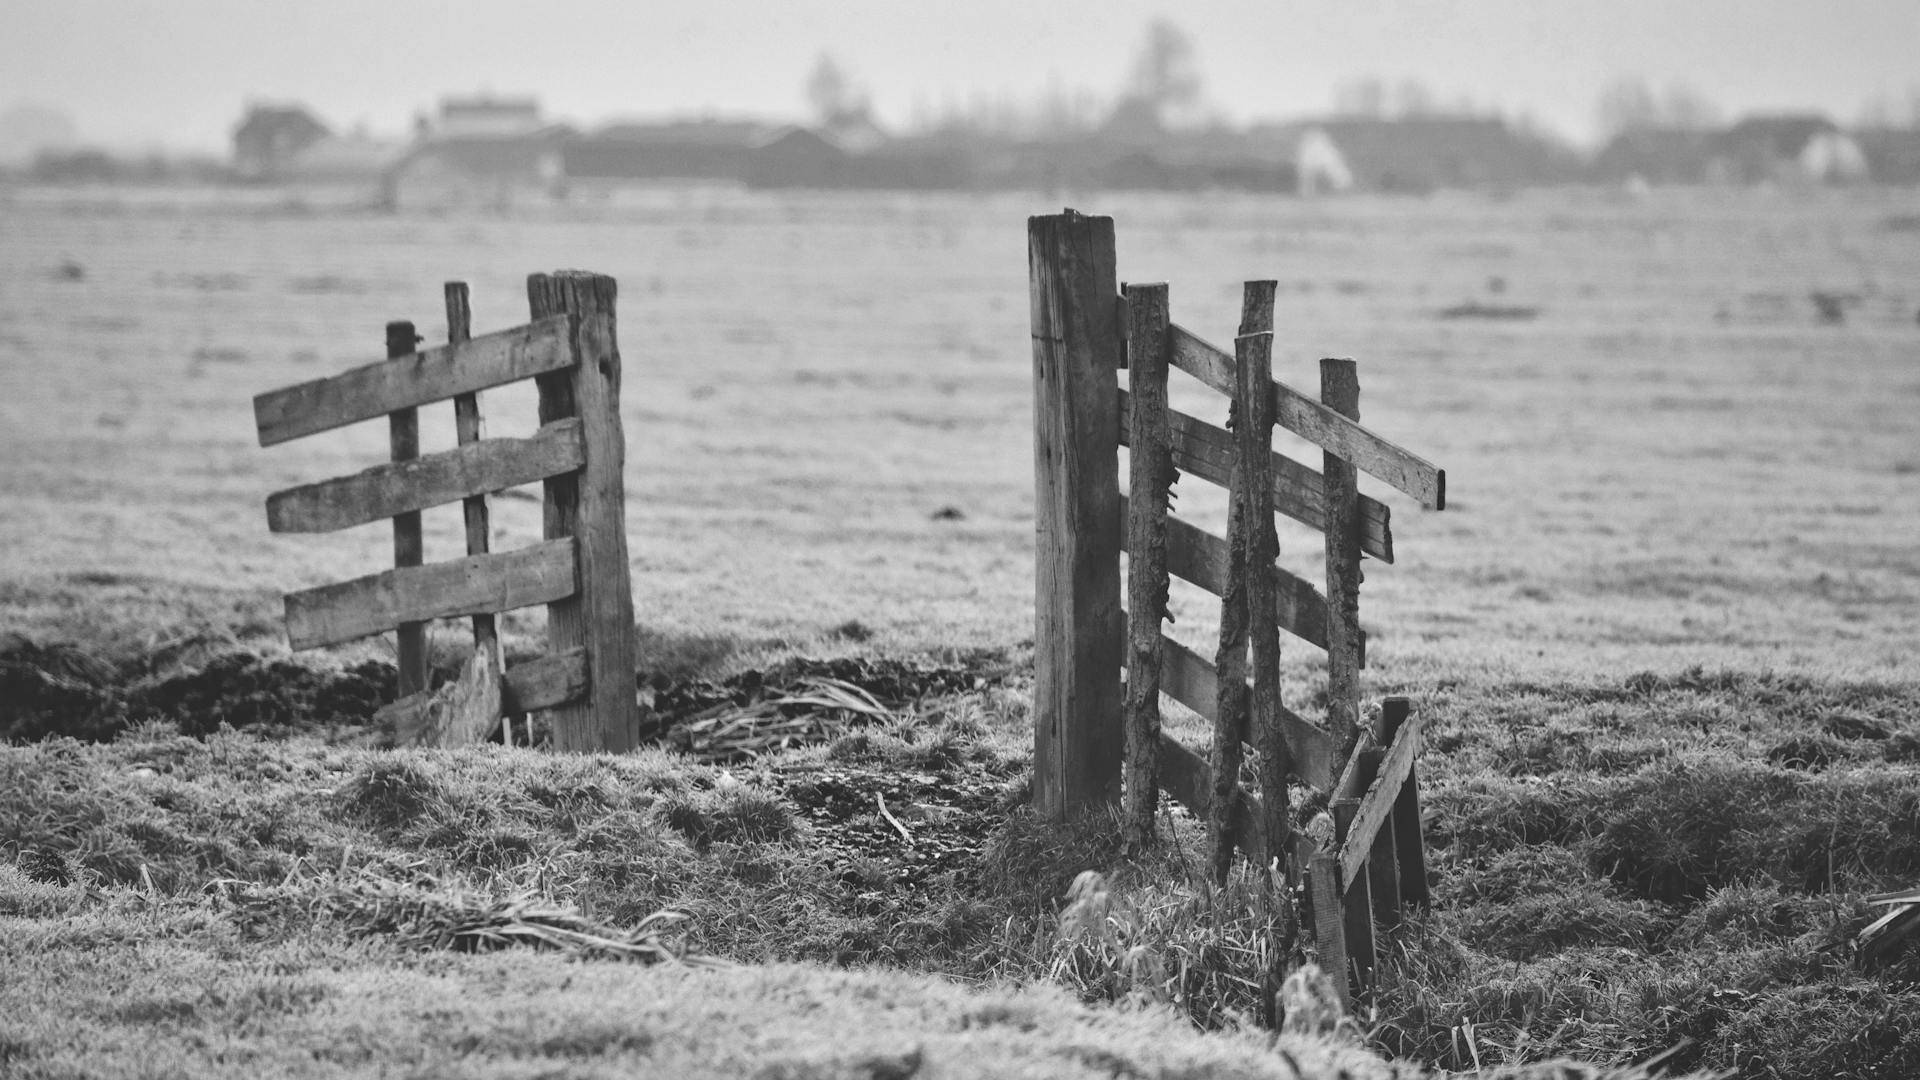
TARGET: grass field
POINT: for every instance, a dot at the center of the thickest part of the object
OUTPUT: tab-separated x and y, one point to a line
1665	627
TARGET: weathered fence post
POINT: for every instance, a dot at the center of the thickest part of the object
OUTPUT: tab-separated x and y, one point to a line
1078	641
403	438
1150	476
590	506
1340	391
1253	362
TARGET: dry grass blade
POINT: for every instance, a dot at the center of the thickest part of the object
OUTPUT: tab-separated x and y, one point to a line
815	710
444	918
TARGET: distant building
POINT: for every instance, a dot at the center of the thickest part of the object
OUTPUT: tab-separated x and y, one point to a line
798	157
715	150
1418	153
482	151
1799	148
487	117
269	136
1656	156
1318	165
1893	154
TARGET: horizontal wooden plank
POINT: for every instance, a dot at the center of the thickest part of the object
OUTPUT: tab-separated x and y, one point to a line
418	379
1206	451
1185	775
1197	556
478	468
380	602
1188	678
1376	806
547	683
1319	425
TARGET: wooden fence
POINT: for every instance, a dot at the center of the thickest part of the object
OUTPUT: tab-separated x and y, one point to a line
1097	739
579	571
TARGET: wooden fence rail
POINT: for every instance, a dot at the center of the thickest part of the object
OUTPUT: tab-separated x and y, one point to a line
1098	736
579	570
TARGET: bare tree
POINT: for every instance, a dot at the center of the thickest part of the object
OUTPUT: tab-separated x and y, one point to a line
834	96
1361	97
1631	104
1166	73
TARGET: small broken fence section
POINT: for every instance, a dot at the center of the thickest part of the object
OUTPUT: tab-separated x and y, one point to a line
579	570
1099	739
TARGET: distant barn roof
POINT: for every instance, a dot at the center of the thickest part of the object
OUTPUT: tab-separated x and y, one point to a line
1782	136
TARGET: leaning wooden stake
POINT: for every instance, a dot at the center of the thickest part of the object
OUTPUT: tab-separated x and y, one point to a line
1383	865
1357	900
1150	478
590	506
1340	391
1078	638
1329	926
403	435
1409	844
470	428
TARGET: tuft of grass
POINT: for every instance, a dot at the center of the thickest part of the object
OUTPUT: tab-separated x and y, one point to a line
729	813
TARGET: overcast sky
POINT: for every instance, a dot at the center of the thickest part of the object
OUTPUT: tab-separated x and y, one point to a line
136	73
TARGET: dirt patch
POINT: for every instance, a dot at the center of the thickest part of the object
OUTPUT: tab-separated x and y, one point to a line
61	689
887	830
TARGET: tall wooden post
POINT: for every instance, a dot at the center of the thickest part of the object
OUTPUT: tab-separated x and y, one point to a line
1078	637
1150	476
403	438
1340	391
590	506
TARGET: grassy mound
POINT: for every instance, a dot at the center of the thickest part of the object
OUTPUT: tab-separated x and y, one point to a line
1617	870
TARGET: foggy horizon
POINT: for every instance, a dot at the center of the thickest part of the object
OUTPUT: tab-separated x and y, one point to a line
177	79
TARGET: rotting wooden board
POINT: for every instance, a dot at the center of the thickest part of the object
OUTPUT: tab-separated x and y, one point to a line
1207	452
418	379
1197	556
1376	806
377	603
477	468
547	683
529	686
1319	425
462	713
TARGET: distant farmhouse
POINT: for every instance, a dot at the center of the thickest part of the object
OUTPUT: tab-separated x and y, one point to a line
269	137
705	150
1797	149
1657	156
481	151
1801	148
1418	154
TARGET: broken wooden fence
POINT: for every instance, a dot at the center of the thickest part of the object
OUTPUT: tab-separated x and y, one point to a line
1098	740
580	569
